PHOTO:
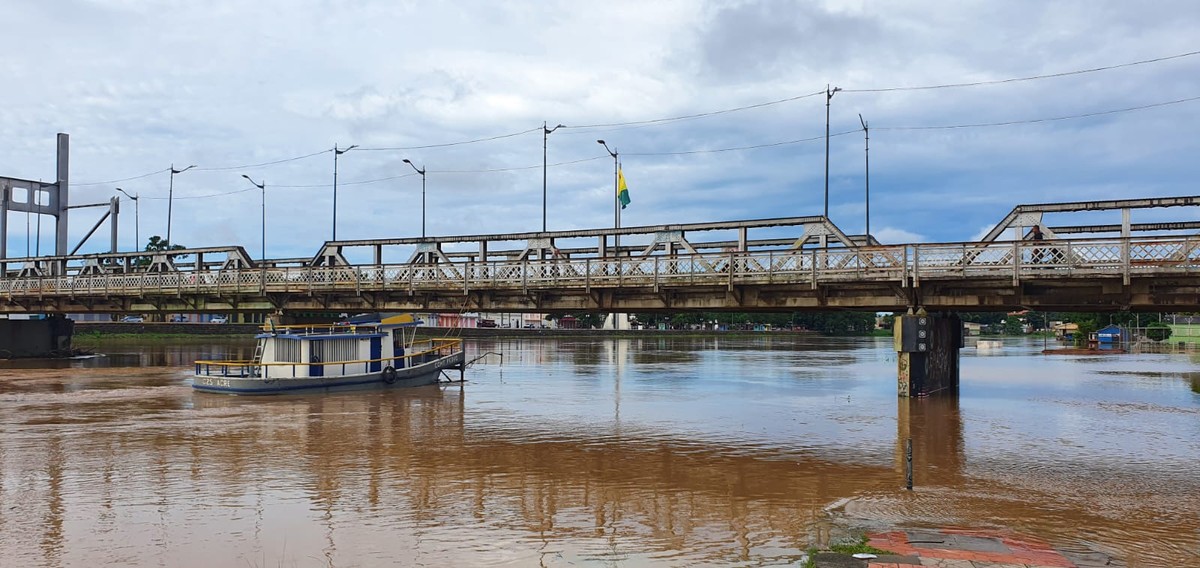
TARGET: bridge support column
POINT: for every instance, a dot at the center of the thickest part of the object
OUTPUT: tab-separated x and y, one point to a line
927	354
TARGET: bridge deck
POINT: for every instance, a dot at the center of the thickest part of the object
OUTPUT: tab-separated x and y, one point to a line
1146	273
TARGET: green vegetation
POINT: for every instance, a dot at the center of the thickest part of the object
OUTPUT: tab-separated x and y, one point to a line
1086	328
859	547
1158	331
89	338
847	548
826	323
1184	333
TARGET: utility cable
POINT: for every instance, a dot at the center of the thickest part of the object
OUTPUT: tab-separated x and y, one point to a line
693	116
1030	78
1037	120
639	123
448	144
272	163
737	148
165	170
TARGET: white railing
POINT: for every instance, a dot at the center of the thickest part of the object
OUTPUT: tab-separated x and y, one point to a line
906	265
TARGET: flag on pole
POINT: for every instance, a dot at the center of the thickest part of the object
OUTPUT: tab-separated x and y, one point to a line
622	189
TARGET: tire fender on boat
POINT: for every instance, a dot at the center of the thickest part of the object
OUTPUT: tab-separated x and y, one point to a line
389	374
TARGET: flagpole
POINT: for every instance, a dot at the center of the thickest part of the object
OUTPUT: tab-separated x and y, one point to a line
617	202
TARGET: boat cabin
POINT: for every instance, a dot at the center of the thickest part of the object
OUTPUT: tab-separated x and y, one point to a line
341	349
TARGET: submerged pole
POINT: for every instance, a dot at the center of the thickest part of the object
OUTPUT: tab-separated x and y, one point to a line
908	476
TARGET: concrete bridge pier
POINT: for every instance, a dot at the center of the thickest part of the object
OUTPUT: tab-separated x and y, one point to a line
47	337
927	347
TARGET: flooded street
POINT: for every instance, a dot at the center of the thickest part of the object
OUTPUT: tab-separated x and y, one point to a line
662	451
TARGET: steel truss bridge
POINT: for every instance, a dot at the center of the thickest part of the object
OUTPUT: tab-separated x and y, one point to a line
785	264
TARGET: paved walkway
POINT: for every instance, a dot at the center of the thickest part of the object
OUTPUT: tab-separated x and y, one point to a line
951	548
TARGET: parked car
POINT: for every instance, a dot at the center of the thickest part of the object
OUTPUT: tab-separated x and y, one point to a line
487	323
219	319
132	319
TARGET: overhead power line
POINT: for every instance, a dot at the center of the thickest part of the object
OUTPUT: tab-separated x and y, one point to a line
448	144
162	171
712	150
1037	120
1019	79
738	148
641	123
272	163
178	197
693	116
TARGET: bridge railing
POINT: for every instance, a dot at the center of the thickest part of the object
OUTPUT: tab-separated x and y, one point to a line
903	264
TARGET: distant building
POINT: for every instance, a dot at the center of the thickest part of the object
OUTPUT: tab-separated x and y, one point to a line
1065	331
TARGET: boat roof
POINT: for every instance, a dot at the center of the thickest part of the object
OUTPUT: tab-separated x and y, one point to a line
362	325
397	320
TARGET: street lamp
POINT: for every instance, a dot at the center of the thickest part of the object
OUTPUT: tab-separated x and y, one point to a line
263	187
867	156
828	97
137	238
171	196
337	153
545	136
422	172
616	201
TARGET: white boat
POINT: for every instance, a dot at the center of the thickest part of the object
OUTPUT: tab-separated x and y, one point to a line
365	352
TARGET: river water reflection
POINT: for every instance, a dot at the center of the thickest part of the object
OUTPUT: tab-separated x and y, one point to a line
660	451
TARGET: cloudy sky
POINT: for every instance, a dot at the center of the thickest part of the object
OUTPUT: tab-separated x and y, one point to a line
717	109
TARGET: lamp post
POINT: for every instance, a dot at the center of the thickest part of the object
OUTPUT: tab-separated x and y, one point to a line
171	197
616	201
137	237
263	187
867	156
545	136
422	172
828	97
337	153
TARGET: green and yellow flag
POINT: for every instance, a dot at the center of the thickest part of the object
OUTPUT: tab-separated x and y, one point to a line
622	189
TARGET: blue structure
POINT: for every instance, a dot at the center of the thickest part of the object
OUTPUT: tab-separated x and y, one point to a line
1110	336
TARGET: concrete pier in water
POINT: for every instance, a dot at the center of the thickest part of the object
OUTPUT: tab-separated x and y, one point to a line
927	352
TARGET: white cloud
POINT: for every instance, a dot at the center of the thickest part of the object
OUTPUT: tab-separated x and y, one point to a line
894	236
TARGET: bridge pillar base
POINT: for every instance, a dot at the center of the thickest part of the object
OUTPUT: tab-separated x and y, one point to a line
927	354
49	337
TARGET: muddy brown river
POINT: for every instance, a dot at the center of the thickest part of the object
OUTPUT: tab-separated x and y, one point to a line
663	451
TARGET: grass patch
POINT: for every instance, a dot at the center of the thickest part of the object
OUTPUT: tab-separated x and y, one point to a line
1184	333
844	548
858	547
93	338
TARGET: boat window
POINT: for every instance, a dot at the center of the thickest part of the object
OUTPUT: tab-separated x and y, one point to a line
341	349
287	350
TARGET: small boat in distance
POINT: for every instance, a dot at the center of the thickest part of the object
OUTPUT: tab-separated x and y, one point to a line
364	352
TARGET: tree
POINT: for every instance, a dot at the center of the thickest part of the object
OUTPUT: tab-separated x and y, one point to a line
157	244
1158	331
1086	328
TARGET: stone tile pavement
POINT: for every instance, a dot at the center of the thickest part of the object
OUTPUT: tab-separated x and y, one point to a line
955	548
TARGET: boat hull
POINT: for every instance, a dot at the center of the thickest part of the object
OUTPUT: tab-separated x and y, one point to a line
418	375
